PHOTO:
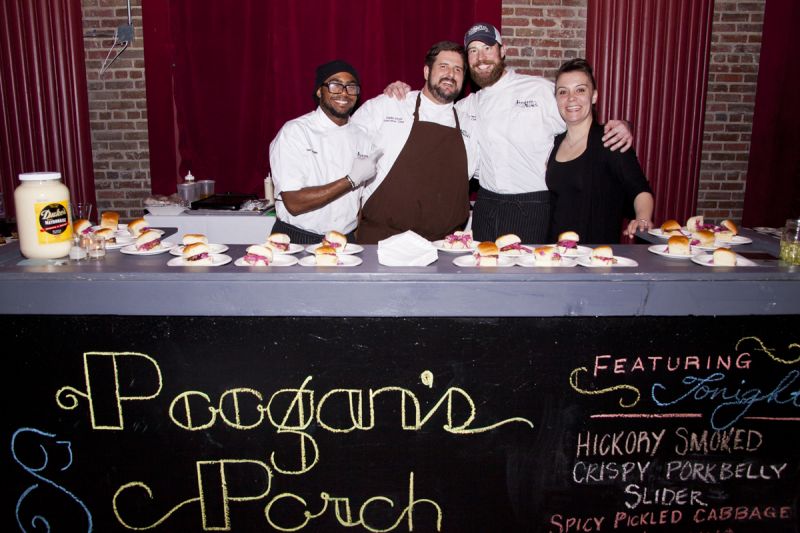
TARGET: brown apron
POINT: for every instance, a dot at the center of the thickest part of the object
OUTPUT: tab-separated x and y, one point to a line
426	189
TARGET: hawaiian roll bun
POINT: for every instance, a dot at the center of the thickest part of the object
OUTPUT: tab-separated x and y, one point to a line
326	256
335	240
107	234
567	240
679	245
730	226
191	238
724	257
703	237
508	244
278	242
82	227
137	226
671	227
197	254
603	255
258	255
109	219
695	223
486	254
546	256
148	240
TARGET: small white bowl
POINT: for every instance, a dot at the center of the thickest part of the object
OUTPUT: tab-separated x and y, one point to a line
166	210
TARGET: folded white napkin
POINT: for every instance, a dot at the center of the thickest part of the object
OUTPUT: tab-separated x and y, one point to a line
406	249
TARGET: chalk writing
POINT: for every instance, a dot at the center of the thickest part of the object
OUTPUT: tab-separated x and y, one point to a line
731	440
733	400
770	352
573	382
104	366
62	447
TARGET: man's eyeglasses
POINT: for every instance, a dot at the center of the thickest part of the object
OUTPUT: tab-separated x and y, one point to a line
334	87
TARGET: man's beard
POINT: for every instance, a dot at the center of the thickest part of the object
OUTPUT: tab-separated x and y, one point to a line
485	79
440	94
335	112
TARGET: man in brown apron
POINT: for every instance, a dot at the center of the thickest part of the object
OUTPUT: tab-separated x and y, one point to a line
426	189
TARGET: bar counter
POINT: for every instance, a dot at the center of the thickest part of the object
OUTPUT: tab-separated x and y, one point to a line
144	285
664	396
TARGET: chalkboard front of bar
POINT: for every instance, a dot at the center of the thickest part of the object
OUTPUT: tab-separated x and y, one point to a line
408	424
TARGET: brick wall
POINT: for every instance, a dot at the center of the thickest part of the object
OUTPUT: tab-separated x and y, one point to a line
733	73
539	36
117	109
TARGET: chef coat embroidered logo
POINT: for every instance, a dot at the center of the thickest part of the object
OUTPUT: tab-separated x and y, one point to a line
312	151
526	103
394	120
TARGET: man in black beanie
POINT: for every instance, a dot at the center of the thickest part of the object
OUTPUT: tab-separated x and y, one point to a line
320	160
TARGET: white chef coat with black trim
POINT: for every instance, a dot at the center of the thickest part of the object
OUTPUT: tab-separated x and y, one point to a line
312	150
515	121
388	122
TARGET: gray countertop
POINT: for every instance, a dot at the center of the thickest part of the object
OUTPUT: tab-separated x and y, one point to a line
144	285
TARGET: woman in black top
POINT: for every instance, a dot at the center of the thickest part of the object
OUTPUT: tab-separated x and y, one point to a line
593	189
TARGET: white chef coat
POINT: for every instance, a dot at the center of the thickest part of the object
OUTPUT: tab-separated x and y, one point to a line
515	121
312	150
388	122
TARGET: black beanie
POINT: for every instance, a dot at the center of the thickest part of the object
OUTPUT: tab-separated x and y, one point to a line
329	69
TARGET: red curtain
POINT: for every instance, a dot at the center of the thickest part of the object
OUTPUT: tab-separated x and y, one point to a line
223	77
651	64
773	174
44	119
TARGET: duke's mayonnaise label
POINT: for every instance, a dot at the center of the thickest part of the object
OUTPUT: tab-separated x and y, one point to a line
52	222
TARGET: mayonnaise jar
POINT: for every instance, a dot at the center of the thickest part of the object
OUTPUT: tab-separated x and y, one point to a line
43	219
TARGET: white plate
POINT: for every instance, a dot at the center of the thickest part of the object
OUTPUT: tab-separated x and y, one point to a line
663	251
165	210
439	245
212	249
735	241
278	260
577	252
344	261
217	260
121	242
660	234
705	260
530	261
293	249
769	231
165	246
122	229
468	261
349	249
621	262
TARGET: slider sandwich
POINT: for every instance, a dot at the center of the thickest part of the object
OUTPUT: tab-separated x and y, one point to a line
603	255
679	245
546	256
460	240
197	254
109	219
695	223
326	256
82	227
137	226
192	238
567	241
335	240
486	254
703	237
726	231
258	255
723	257
107	234
148	240
671	227
510	244
278	242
